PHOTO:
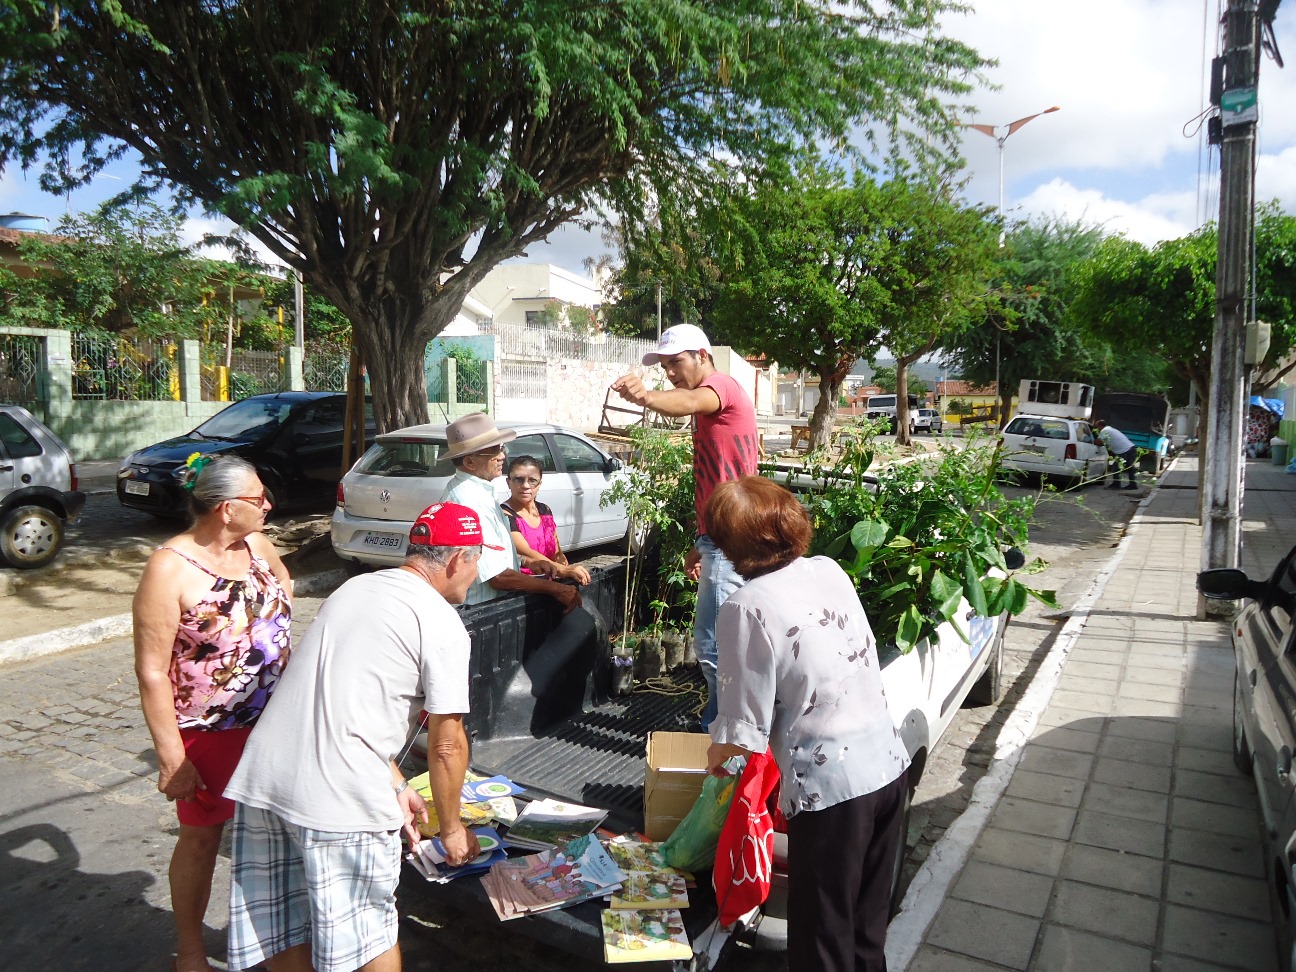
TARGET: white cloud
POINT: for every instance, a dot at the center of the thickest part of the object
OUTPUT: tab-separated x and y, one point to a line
1149	220
1130	77
1276	177
196	227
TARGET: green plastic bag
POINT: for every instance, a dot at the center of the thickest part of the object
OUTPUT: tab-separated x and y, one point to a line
693	845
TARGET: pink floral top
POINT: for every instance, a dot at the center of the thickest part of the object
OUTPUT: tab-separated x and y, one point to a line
230	649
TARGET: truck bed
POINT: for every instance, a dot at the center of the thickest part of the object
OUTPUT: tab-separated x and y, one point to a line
597	757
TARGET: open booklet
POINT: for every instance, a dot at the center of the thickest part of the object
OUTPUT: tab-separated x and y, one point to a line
548	823
556	878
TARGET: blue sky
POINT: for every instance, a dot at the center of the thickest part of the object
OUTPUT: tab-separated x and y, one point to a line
1128	76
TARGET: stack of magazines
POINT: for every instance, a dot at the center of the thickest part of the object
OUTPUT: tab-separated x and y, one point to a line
544	824
643	922
483	801
555	878
429	857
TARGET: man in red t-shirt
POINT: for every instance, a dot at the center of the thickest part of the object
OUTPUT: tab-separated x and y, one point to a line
725	446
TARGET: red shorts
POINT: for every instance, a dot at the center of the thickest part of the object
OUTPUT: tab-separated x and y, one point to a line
215	754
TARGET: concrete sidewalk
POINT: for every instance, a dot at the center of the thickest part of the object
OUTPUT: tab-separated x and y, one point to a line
1124	837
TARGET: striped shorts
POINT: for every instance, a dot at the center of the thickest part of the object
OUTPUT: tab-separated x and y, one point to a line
290	885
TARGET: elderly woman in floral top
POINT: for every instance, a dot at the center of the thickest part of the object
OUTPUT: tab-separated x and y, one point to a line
213	616
798	674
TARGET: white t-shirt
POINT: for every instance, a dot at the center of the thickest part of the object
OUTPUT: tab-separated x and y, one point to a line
479	495
1116	441
382	647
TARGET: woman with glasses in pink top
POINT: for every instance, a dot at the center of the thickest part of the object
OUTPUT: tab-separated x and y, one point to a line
535	534
213	618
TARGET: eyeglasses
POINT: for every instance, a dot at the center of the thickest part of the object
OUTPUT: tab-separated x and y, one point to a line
524	480
490	453
261	500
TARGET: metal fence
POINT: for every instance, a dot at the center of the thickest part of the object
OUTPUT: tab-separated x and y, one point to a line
325	367
20	366
523	378
256	373
548	343
108	367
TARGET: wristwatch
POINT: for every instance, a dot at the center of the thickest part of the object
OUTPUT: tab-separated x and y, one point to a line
401	788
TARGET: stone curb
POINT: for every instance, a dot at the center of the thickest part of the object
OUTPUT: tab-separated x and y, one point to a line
119	625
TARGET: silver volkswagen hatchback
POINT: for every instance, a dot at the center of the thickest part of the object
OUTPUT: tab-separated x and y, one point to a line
406	470
38	489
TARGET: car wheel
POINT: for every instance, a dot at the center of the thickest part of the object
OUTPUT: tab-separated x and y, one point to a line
636	537
988	689
1241	748
30	536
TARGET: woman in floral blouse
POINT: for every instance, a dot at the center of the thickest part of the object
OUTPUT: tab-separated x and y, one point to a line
213	619
799	674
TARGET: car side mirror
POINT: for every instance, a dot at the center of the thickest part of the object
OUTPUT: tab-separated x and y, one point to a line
1228	584
612	464
1014	559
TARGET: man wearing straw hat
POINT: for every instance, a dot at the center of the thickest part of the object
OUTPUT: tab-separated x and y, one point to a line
477	451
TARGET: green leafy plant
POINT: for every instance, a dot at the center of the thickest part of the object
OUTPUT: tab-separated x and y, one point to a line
919	537
657	491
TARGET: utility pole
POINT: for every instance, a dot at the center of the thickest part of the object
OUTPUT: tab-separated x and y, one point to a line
1222	476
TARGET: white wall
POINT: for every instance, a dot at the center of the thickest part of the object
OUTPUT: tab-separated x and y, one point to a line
512	289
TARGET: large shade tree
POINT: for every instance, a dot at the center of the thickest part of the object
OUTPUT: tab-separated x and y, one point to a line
1161	300
1028	333
824	271
395	151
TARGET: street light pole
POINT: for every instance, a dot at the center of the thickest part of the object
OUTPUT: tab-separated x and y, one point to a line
993	132
1009	129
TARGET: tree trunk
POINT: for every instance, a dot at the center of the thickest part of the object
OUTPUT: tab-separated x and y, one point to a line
825	411
1004	411
392	335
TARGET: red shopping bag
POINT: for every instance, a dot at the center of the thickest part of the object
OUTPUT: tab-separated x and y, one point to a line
745	855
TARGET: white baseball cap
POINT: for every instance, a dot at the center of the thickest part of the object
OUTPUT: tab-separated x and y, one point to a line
677	339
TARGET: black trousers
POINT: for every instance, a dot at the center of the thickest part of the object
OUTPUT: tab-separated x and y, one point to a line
840	864
1127	459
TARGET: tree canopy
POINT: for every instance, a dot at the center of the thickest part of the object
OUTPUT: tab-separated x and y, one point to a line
1162	300
824	271
119	270
394	152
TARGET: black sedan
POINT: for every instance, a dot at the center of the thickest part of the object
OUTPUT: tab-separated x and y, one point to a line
1264	707
293	438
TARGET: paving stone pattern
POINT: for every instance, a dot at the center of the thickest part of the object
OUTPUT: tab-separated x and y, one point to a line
1126	839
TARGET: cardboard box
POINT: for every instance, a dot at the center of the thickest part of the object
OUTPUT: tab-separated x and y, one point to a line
673	780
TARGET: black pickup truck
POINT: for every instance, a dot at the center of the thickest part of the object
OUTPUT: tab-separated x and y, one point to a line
541	716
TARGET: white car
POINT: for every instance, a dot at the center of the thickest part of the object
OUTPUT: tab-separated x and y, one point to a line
928	419
405	471
1053	446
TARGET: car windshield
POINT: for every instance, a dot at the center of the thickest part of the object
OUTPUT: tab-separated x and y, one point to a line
250	418
422	457
1039	428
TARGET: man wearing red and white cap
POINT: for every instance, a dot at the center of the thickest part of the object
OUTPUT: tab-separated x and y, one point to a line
321	800
725	446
